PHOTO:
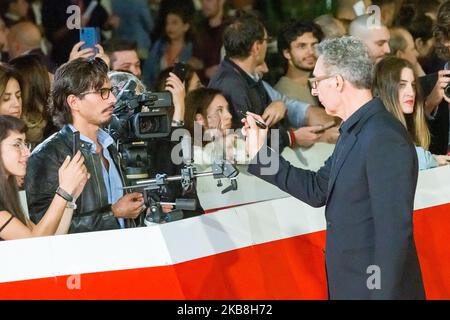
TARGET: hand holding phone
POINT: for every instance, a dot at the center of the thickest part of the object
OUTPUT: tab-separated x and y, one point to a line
180	70
75	142
91	37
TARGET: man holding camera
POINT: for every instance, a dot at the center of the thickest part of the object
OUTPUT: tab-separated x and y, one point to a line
83	102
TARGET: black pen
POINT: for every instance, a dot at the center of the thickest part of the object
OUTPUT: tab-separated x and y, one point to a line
258	123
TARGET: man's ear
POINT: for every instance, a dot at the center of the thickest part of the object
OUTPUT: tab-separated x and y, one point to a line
254	51
287	54
418	42
199	119
73	102
339	82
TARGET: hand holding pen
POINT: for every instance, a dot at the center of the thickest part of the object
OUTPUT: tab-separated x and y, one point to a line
259	123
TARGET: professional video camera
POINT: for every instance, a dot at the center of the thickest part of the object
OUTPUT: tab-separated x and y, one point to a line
140	116
137	119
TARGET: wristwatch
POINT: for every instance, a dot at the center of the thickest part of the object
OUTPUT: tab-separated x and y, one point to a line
71	205
177	123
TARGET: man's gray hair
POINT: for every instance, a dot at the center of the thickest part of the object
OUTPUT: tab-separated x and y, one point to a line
347	56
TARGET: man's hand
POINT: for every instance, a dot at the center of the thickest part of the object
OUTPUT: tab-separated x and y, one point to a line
102	55
77	53
436	96
129	206
87	53
255	137
307	136
274	113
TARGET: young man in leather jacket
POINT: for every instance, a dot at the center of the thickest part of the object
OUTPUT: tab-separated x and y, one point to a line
82	101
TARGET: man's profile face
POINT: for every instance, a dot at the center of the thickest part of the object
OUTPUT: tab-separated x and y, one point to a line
263	49
94	109
301	54
377	41
127	61
322	88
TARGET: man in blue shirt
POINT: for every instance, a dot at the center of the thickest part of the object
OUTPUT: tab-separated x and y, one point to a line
83	102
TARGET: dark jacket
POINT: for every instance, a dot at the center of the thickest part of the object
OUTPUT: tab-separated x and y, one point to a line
439	123
41	181
244	94
368	186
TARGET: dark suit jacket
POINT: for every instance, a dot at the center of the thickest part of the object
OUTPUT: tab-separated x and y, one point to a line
244	94
368	187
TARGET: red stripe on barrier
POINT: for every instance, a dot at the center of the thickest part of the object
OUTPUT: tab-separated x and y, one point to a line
291	268
285	269
432	236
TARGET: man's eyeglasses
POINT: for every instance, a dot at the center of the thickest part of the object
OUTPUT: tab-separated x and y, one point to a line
268	39
314	81
104	92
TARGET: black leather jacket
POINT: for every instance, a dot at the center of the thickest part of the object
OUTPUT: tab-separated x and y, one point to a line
41	181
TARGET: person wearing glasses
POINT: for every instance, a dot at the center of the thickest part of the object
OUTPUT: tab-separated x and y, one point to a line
71	178
367	185
245	41
82	102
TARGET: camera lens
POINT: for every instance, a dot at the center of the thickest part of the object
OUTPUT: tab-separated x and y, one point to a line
148	125
447	91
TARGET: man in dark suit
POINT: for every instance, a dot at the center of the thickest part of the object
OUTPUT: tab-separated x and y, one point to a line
367	185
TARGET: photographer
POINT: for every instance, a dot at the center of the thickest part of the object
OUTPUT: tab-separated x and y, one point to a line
82	101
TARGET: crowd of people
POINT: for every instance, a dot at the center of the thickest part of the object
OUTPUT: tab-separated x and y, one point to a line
51	88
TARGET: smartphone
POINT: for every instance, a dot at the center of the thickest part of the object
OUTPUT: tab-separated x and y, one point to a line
180	70
91	37
75	142
325	127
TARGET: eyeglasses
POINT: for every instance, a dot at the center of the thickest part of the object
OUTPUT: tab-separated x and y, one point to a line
104	92
314	81
21	146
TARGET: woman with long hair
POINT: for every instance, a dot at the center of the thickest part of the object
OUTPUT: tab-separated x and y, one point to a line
35	94
174	46
10	91
396	84
208	119
14	153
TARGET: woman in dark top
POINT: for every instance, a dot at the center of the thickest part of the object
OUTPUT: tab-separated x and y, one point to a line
14	154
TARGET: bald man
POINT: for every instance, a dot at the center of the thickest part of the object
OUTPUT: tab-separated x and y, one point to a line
25	38
375	37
